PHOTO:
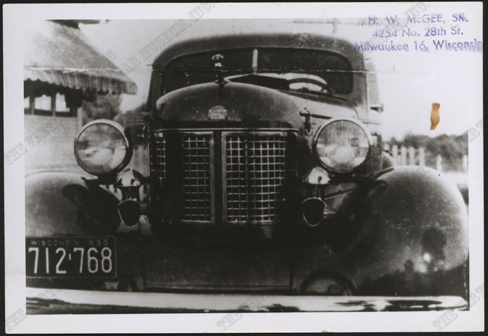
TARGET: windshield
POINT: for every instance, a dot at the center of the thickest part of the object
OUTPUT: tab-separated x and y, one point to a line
297	69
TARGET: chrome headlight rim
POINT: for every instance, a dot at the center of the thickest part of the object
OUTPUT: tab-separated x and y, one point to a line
127	142
331	121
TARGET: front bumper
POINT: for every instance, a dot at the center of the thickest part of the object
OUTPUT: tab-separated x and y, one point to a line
96	302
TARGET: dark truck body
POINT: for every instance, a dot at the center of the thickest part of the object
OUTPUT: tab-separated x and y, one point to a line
215	225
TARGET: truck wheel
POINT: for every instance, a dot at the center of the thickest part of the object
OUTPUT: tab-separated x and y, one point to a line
126	285
322	284
122	284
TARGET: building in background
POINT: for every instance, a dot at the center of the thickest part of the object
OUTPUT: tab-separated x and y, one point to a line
61	70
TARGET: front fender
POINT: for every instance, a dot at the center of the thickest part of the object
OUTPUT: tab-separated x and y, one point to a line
413	236
67	204
64	204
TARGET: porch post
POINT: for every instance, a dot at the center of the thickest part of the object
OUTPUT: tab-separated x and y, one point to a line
79	118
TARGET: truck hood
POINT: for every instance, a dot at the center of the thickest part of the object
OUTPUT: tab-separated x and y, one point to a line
246	103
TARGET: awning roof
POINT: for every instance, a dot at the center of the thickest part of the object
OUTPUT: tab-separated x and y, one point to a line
61	55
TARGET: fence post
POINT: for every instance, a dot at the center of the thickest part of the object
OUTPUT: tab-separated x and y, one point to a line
438	162
422	156
395	153
411	156
404	155
465	163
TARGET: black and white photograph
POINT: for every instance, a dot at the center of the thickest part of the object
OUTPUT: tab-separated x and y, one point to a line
224	167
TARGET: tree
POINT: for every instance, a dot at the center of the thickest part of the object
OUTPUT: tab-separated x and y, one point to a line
102	107
451	148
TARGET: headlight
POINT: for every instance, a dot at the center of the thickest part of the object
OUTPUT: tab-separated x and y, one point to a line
101	148
342	145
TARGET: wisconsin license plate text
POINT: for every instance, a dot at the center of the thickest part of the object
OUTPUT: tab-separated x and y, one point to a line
71	257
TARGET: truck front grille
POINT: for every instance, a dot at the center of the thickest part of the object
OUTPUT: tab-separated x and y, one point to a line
196	194
221	177
254	172
159	171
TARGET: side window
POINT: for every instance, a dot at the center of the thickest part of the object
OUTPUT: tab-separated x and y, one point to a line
48	104
43	103
61	105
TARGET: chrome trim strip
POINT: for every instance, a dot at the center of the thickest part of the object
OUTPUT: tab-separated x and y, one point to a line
243	129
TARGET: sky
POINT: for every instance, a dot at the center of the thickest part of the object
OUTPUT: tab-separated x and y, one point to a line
409	82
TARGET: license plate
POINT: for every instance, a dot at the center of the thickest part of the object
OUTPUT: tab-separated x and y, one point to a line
73	257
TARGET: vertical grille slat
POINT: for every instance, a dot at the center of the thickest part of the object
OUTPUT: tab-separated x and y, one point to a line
158	160
253	174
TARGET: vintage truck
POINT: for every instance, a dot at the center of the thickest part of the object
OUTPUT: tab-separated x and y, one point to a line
267	177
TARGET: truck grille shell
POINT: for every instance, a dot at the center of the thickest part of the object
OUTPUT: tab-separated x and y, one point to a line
225	177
